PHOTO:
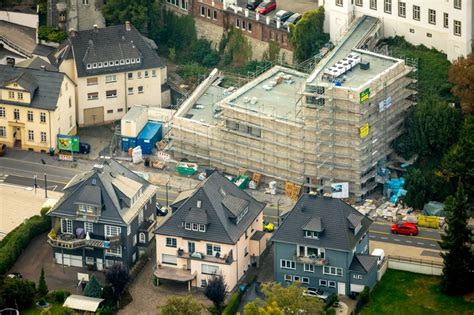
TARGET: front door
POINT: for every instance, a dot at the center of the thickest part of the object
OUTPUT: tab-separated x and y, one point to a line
341	288
100	264
17	137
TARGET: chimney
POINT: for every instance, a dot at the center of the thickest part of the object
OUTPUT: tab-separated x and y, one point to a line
268	20
43	67
278	23
128	26
257	16
246	13
96	28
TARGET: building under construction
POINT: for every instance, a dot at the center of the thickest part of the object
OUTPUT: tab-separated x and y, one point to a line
334	125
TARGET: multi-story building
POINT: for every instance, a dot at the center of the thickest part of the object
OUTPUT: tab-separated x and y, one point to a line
106	215
114	68
444	25
314	130
216	231
79	15
323	244
35	106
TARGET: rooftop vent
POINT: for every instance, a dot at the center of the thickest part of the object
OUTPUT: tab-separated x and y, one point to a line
98	167
128	26
364	65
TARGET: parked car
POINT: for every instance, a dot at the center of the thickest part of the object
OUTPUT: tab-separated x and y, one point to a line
312	292
161	211
266	7
3	149
282	15
84	148
15	275
268	226
253	4
404	229
292	19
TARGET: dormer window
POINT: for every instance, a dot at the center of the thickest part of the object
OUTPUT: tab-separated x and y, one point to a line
100	65
313	228
94	65
132	60
194	227
242	215
138	60
122	62
202	228
89	66
86	208
116	62
187	225
311	234
127	61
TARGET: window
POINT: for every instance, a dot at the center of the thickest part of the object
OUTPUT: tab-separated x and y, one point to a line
85	208
288	278
432	16
171	242
2	112
237	23
416	13
153	73
43	136
42	117
70	104
208	13
140	89
358	277
305	280
249	27
339	3
457	4
203	283
111	230
117	251
146	74
142	238
191	247
140	217
20	96
187	225
30	115
129	229
3	131
110	78
211	249
85	1
11	94
387	7
311	234
130	75
16	114
89	227
402	9
203	11
323	283
243	25
209	269
373	4
66	226
135	240
130	91
308	268
334	271
111	94
215	15
194	226
445	20
429	35
92	81
202	228
359	3
331	284
31	135
92	96
457	28
287	264
120	110
110	111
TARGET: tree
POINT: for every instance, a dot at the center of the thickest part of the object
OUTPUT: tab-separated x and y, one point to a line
42	287
18	293
461	74
93	288
273	51
236	46
280	300
307	36
181	305
216	290
117	276
134	11
458	270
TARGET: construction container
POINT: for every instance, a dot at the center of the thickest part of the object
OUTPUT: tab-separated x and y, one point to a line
134	121
185	168
128	143
149	136
428	221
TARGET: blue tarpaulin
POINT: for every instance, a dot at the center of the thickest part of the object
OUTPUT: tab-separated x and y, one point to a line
396	188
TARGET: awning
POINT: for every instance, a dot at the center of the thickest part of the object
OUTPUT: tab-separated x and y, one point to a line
175	274
82	303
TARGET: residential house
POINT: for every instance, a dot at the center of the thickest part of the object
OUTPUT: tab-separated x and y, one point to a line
35	106
216	231
114	68
106	215
323	243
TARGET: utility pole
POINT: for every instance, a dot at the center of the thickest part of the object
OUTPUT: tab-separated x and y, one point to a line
278	211
35	183
167	184
45	186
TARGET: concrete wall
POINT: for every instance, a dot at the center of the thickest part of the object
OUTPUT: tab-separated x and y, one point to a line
25	19
416	265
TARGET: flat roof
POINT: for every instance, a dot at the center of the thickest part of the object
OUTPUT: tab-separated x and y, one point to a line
349	44
135	112
205	107
275	93
82	303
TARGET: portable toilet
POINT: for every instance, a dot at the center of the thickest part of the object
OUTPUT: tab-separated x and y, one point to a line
149	136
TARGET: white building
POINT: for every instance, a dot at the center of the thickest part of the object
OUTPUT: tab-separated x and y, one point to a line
443	24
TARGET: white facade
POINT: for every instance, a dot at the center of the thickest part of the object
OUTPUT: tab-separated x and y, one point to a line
443	24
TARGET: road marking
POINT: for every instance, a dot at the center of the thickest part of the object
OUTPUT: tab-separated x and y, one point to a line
434	245
384	238
420	243
372	236
408	241
45	165
416	237
396	239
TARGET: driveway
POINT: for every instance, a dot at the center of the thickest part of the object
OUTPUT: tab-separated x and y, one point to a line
39	255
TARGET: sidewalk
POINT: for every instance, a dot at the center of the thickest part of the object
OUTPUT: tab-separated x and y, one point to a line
406	251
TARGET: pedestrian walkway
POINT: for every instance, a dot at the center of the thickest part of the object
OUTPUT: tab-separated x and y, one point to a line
391	249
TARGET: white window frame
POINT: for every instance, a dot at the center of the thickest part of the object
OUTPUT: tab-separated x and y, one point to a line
457	4
129	229
69	226
339	3
2	112
3	131
111	94
202	228
142	237
288	278
446	20
287	264
141	217
140	89
387	6
331	284
135	238
112	230
359	3
171	242
305	280
89	227
209	269
110	78
310	269
416	12
457	28
358	277
43	118
117	251
29	116
43	136
31	135
402	9
432	16
323	283
187	226
333	271
296	278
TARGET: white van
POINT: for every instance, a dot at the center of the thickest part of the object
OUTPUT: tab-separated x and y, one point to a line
380	255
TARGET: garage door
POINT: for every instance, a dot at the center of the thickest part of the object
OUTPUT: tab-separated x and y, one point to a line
68	260
94	116
357	288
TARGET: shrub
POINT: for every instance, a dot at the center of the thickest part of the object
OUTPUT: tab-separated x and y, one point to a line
331	311
42	286
51	34
330	301
191	70
231	307
105	311
93	288
58	296
17	293
364	295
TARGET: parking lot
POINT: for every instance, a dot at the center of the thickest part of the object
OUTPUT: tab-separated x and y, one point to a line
300	6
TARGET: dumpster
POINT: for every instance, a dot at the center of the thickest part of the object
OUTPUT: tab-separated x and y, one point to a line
149	136
185	168
128	143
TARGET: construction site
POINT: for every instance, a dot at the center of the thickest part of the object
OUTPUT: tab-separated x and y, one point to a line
309	130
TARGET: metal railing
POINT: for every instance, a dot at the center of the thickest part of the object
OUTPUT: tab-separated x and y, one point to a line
415	261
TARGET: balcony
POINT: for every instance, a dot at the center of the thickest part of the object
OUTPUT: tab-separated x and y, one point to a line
311	260
219	259
69	241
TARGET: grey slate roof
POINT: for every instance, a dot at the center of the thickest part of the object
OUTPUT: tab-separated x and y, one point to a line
25	80
220	228
234	204
90	195
362	263
195	215
354	220
314	224
48	85
107	44
338	234
112	210
36	63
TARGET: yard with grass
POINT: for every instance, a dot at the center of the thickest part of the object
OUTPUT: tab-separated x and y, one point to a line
407	293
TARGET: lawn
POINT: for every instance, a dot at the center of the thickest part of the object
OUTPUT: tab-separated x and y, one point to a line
407	293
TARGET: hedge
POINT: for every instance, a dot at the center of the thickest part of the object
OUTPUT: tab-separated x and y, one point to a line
17	240
231	307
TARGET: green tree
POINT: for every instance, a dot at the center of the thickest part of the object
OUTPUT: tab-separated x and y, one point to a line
216	290
238	50
461	74
18	293
181	305
42	287
117	276
176	31
307	36
273	51
138	12
280	300
93	288
458	270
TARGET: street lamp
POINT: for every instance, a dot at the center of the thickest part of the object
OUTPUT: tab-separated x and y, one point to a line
167	187
45	186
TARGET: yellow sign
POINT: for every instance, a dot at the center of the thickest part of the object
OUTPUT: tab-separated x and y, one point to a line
364	130
364	95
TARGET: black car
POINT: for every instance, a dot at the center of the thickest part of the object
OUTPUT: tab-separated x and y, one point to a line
84	148
253	4
282	15
160	210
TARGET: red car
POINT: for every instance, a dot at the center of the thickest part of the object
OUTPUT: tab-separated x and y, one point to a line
404	228
266	7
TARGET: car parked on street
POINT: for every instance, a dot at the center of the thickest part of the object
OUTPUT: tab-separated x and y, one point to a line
253	4
268	226
84	148
160	210
312	292
266	7
292	19
404	229
282	15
